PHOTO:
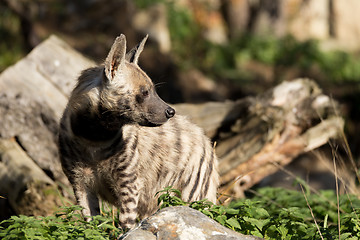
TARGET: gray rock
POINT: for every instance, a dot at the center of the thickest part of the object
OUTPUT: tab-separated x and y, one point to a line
139	234
182	223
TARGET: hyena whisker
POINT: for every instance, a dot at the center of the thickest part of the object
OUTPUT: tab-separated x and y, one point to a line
128	152
123	112
159	84
117	111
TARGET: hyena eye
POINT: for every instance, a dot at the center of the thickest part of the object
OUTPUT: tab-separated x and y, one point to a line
145	93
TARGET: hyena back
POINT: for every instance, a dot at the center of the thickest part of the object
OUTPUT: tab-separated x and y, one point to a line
119	141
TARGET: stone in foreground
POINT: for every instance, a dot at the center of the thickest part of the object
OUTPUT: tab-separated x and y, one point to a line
182	223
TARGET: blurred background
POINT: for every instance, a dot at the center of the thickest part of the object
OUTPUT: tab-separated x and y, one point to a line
207	50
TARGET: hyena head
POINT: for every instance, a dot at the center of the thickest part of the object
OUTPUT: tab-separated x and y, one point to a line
126	89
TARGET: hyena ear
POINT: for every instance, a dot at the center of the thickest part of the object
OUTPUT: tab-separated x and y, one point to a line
133	55
116	57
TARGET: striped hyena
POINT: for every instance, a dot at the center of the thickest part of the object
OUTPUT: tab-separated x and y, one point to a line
121	142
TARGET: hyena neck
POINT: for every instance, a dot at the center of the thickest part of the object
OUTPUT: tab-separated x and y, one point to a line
93	126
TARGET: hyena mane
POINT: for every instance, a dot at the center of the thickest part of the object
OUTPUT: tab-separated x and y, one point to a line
119	141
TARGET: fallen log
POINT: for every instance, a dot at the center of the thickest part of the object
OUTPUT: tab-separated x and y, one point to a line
256	134
33	95
24	184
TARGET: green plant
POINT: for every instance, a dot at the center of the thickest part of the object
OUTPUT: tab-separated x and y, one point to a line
11	44
185	33
169	197
275	213
285	52
271	213
65	224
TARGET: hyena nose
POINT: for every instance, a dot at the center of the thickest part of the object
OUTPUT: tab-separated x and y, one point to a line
169	112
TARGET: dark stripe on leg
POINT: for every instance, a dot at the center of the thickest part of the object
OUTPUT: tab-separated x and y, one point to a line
208	175
135	143
197	176
130	221
178	145
188	180
186	183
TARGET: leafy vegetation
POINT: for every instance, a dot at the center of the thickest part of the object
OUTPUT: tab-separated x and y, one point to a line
65	224
11	49
271	213
185	33
276	213
282	53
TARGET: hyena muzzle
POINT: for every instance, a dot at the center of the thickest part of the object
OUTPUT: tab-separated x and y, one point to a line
120	141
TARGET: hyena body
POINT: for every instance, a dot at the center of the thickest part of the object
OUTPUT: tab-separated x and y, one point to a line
119	141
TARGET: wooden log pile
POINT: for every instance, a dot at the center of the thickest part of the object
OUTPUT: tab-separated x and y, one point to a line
257	134
253	135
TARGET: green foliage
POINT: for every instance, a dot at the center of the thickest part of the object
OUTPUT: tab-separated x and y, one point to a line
191	50
65	224
169	197
286	52
273	213
11	40
229	61
276	213
185	33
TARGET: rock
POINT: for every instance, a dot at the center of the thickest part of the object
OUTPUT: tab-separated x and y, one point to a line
140	234
182	223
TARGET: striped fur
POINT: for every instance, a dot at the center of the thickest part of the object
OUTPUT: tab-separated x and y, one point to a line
119	141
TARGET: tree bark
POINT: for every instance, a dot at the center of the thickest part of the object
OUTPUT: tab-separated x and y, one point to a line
24	184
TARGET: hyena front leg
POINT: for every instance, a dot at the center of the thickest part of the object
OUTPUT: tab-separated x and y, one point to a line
87	199
128	199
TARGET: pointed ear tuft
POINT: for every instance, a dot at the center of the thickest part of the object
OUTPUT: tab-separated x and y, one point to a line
116	57
133	55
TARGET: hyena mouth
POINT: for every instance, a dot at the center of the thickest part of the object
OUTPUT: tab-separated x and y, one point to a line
154	119
149	123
